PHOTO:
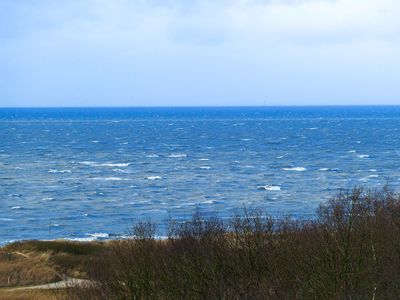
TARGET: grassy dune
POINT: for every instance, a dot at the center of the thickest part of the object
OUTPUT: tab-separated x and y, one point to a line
31	263
38	262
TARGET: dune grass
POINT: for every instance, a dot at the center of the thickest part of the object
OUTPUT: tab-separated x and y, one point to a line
10	294
39	262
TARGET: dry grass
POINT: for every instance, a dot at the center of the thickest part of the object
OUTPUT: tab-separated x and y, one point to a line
18	269
40	262
7	294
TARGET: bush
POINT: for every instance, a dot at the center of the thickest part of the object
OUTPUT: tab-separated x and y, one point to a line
351	250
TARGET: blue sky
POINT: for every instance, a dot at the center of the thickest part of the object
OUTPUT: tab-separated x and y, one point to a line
199	52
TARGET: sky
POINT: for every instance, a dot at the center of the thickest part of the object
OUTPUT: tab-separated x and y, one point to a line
199	52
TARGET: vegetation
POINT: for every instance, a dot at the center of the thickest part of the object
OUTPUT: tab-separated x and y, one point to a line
40	262
11	294
351	250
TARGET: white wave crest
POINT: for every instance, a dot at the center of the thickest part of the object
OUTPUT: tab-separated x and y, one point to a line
98	235
297	169
95	164
270	187
58	171
177	155
120	170
363	156
153	177
121	165
81	239
111	178
88	163
47	199
209	202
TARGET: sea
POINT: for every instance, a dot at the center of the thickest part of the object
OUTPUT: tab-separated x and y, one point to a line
90	173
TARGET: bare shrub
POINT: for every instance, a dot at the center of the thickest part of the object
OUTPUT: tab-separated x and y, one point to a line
351	250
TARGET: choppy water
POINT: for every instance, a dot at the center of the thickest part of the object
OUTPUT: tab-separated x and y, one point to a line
90	172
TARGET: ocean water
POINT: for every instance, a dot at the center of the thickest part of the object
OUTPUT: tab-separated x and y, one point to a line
90	173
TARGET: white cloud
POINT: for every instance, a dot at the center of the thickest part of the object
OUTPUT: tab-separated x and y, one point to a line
296	21
281	49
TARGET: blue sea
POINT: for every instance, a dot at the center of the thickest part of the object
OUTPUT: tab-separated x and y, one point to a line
89	173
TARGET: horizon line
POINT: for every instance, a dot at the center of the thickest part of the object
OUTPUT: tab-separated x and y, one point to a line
200	106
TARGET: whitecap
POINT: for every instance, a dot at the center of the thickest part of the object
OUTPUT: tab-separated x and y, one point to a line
152	155
372	170
121	165
16	207
15	195
246	139
177	155
110	178
47	199
81	239
95	142
205	167
161	237
88	163
297	169
312	128
153	177
58	171
269	187
120	170
363	156
324	169
98	235
365	179
204	159
352	151
209	202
